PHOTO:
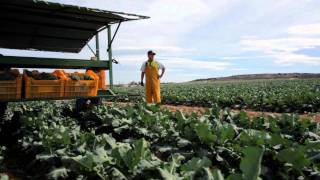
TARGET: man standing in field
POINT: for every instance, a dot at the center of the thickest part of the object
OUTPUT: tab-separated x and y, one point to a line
151	68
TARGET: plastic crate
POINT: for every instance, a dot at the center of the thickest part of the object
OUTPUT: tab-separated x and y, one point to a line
42	88
11	90
78	88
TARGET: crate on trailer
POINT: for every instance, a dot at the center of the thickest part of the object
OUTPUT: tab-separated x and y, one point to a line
10	85
81	84
42	88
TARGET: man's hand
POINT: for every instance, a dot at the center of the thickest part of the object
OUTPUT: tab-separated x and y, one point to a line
141	83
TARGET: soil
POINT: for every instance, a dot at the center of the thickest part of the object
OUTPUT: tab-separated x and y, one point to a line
251	114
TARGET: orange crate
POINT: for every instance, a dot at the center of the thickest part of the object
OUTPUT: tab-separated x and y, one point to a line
78	88
42	88
11	90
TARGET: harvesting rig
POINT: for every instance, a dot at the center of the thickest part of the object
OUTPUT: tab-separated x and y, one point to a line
46	26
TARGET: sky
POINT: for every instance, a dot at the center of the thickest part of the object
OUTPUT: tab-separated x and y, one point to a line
209	38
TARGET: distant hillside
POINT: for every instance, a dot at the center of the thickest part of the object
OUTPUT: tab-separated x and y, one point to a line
263	76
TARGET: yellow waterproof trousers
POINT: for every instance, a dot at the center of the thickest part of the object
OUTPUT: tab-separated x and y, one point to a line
152	84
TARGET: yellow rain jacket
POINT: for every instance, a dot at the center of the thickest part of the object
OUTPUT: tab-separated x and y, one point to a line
152	82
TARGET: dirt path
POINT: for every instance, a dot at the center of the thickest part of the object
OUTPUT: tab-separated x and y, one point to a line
250	113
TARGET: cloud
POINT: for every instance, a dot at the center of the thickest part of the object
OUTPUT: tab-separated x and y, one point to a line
280	44
170	21
285	50
185	63
239	69
305	30
243	57
157	49
289	59
176	63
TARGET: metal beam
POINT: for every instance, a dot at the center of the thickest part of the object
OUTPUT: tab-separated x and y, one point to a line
97	47
109	50
91	50
114	35
46	24
52	16
32	62
132	16
24	34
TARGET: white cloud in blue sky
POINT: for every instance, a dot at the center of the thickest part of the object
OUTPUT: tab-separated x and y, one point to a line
210	38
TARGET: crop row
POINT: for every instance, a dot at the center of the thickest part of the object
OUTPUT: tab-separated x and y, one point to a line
47	140
262	95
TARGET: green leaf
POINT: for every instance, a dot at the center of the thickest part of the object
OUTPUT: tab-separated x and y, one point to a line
203	173
82	148
181	142
217	175
116	174
139	151
254	137
277	140
4	176
166	175
215	111
195	164
251	162
205	133
227	132
148	164
45	157
86	161
101	156
175	162
244	119
110	141
235	177
180	116
60	173
121	129
295	156
120	152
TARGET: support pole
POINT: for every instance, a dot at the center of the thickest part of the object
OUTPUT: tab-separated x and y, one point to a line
110	56
97	47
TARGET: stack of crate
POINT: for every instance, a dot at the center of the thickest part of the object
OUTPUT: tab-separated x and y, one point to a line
10	88
63	85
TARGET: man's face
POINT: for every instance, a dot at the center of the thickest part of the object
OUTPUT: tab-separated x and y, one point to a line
151	56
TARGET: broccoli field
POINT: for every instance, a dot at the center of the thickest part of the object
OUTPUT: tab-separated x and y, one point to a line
50	140
46	140
281	95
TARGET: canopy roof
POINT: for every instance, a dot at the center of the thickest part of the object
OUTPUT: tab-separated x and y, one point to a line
42	25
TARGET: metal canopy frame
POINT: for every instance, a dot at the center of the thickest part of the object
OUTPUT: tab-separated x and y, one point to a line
36	24
47	26
114	35
32	62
